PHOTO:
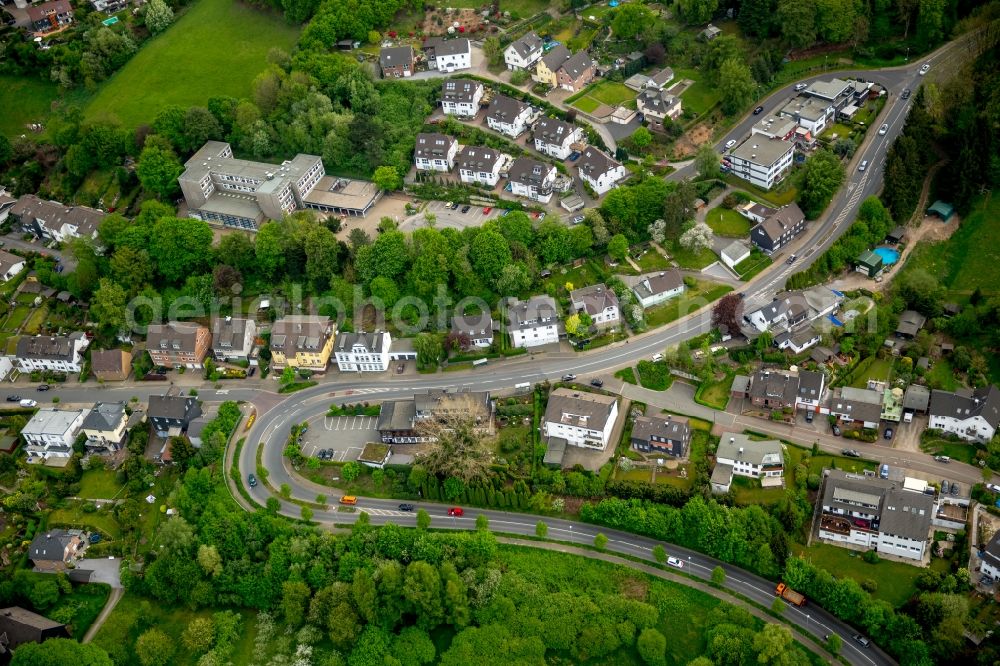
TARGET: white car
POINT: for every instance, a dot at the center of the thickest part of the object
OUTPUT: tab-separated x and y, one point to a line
801	86
730	143
863	165
675	562
926	68
992	487
884	129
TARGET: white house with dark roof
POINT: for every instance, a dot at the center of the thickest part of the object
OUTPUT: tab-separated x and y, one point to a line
508	116
58	353
972	415
448	55
533	322
10	265
232	338
655	288
51	432
555	138
435	152
791	309
811	391
477	328
461	97
478	164
54	220
523	53
655	104
599	302
857	407
798	339
531	179
362	352
991	557
599	171
580	418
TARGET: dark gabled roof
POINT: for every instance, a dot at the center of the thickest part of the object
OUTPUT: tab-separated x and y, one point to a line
49	546
774	385
477	158
910	322
40	11
529	171
460	90
8	261
983	402
579	408
52	214
446	47
177	407
395	56
433	145
173	336
556	57
527	44
505	109
104	416
295	333
553	131
652	284
673	428
594	299
811	384
19	626
577	65
536	311
902	513
56	348
109	360
917	397
593	163
228	332
655	100
991	554
478	324
396	415
374	342
782	220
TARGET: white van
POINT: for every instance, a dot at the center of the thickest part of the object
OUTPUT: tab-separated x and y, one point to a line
524	386
28	403
908	417
479	361
657	357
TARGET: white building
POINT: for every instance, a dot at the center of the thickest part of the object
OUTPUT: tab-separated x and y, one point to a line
531	179
461	97
55	353
811	392
580	418
10	265
555	138
508	116
738	455
759	161
655	105
51	432
599	302
524	53
875	514
655	288
480	165
233	338
54	220
362	352
991	557
972	415
812	114
857	407
478	328
533	322
791	309
105	425
6	365
435	152
599	171
448	55
734	253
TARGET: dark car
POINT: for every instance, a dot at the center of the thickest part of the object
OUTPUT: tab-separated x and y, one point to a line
252	480
759	110
850	453
954	488
887	434
251	372
406	507
43	387
465	209
13	398
597	382
574	156
809	417
906	93
791	259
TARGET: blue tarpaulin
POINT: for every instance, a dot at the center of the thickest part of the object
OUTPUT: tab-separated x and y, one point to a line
836	322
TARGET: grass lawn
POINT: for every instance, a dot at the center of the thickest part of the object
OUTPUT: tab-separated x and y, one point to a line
715	394
752	265
749	491
35	321
16	318
589	273
879	369
611	93
586	104
896	581
840	130
727	222
691	301
699	97
34	100
942	376
652	261
692	260
86	601
73	517
960	451
782	194
216	48
99	484
627	375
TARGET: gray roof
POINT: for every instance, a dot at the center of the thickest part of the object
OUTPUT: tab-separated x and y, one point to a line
663	77
861	395
8	261
722	474
395	56
774	385
577	65
652	284
902	513
910	321
110	360
173	335
374	342
782	220
104	416
792	305
857	409
228	332
983	402
673	428
527	45
445	47
294	333
916	398
593	163
736	249
475	325
553	131
991	554
477	158
433	145
505	109
762	151
811	384
529	171
765	452
555	451
828	89
55	348
443	401
51	421
537	310
654	100
594	299
52	214
556	56
460	90
396	415
50	545
741	383
579	408
19	626
177	407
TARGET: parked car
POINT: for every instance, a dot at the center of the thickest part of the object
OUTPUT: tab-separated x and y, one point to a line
574	156
465	209
252	371
759	110
993	488
450	205
577	219
251	480
926	68
791	260
406	507
850	453
809	416
675	562
657	357
329	454
835	429
730	143
456	511
954	488
884	129
597	382
943	459
906	93
13	398
568	378
887	434
43	387
945	486
801	86
863	165
861	640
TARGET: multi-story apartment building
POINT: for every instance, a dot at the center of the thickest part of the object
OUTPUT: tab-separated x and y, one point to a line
302	341
242	194
435	152
738	455
51	432
533	322
57	353
555	138
104	427
363	352
972	415
170	415
461	97
779	228
232	338
759	161
661	434
549	64
532	179
479	165
580	418
55	221
178	344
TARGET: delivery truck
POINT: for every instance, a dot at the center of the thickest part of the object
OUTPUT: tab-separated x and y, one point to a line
790	595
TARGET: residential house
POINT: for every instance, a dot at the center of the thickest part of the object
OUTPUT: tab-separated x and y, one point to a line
756	212
19	626
55	221
875	514
508	116
790	310
811	391
761	162
971	415
49	17
734	253
58	353
860	408
916	399
812	114
477	328
655	288
461	97
435	152
477	164
778	128
111	365
6	366
178	344
778	229
599	171
53	550
363	352
302	341
396	62
242	194
170	415
523	53
108	6
105	427
910	322
10	265
533	322
660	79
655	105
599	302
233	338
399	420
990	555
738	455
51	432
661	434
532	179
6	203
555	138
638	82
576	73
549	64
580	418
448	55
773	390
798	339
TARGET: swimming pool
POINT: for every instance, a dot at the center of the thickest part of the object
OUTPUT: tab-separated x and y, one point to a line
888	255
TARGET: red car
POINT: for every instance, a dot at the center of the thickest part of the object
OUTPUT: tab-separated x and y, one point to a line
486	211
456	511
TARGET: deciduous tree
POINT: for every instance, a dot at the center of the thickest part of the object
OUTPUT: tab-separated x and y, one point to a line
736	85
154	648
158	16
158	170
458	445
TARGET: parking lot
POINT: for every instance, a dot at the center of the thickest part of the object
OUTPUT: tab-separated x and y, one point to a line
453	218
346	435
